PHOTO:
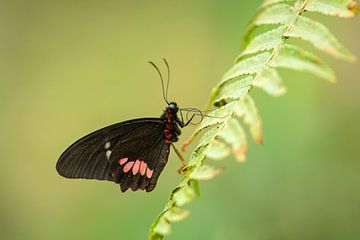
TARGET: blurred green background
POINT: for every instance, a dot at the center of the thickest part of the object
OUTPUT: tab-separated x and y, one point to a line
70	67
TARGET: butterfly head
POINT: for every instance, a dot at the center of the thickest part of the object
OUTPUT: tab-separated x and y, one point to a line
172	107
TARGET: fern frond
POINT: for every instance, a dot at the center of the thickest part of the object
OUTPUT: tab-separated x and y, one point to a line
266	49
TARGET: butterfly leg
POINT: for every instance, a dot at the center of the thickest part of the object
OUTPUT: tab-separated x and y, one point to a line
183	162
181	121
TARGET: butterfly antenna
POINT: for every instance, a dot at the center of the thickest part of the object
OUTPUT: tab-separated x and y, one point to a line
192	112
162	80
168	78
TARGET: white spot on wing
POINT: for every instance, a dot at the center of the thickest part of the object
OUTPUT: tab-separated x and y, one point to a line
108	153
107	145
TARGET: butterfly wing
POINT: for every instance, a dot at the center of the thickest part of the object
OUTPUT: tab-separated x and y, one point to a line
101	155
137	163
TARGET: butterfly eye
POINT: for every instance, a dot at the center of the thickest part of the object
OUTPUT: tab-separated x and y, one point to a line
173	106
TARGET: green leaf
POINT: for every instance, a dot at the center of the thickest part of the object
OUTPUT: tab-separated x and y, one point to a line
270	15
248	111
215	117
237	88
175	215
217	150
339	8
295	58
162	227
205	172
155	236
275	14
249	65
234	135
197	156
320	37
265	41
270	81
184	195
195	186
207	137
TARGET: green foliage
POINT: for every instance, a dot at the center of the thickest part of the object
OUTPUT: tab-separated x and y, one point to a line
266	48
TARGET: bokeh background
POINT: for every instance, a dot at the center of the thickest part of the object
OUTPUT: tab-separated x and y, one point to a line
70	67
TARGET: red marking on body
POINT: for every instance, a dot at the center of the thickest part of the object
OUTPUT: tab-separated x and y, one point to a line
128	166
122	161
166	130
135	168
149	173
167	141
143	166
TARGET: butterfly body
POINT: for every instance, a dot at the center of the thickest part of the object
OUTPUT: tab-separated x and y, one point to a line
131	153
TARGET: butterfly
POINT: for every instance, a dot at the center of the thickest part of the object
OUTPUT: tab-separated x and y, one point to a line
131	153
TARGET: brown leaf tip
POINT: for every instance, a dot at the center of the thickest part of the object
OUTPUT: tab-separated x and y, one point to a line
259	139
240	153
354	7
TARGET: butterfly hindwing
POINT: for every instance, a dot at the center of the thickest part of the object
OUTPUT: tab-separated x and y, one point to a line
137	162
101	155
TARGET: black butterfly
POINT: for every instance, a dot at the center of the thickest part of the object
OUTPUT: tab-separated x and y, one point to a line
131	153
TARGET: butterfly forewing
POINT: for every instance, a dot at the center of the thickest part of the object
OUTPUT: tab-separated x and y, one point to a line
131	153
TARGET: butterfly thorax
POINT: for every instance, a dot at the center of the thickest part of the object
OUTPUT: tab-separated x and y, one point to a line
171	123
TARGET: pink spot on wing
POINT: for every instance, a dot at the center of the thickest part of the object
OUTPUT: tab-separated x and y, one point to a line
143	166
122	161
128	166
135	168
149	173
